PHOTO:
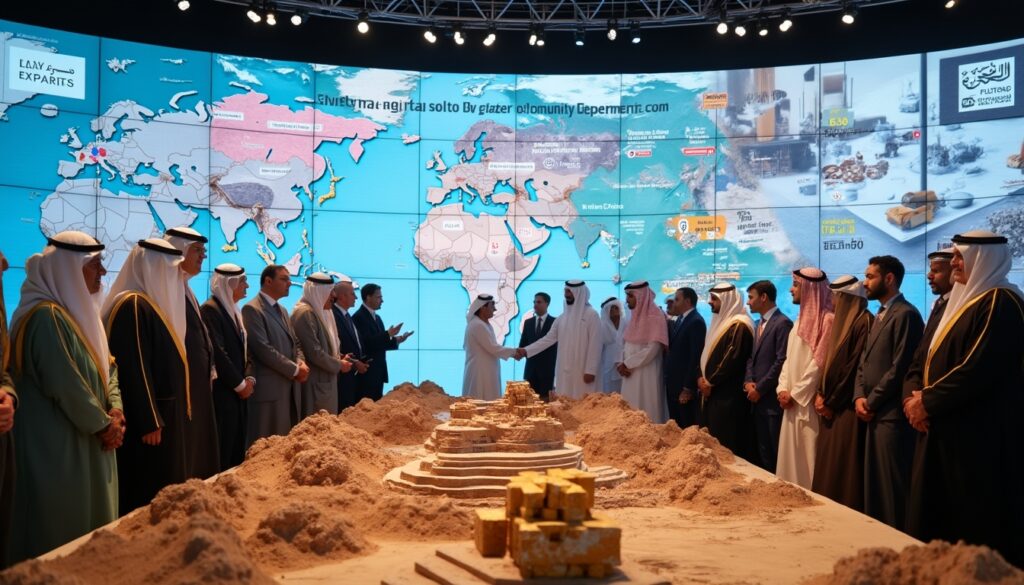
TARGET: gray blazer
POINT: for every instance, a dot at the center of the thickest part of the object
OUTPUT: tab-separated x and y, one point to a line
320	390
274	351
887	357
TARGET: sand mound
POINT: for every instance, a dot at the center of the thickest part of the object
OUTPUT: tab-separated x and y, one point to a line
937	563
288	536
622	437
320	467
428	394
198	549
395	421
402	516
561	409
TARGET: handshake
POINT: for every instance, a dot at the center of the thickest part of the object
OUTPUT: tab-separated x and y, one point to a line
520	354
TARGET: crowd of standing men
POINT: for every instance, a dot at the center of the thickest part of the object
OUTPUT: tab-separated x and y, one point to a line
911	422
176	389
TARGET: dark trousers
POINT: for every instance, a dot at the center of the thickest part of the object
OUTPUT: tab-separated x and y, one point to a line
768	426
685	415
232	424
7	471
888	457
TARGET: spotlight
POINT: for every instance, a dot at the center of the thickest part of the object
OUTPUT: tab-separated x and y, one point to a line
271	16
787	22
634	33
457	35
254	12
298	18
949	4
762	28
364	23
540	37
430	35
533	35
492	35
613	32
723	21
183	5
580	37
740	30
849	15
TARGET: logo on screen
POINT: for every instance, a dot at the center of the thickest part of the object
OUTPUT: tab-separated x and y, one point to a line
985	85
46	73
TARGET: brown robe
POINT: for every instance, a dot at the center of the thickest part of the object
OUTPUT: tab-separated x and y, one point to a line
726	412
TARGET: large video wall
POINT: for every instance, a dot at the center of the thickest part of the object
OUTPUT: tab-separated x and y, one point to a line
440	186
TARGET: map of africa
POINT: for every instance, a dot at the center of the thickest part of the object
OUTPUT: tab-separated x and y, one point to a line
442	186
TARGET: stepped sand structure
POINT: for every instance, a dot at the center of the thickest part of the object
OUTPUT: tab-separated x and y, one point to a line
486	443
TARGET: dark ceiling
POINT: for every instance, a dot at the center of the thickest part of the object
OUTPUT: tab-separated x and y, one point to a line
907	27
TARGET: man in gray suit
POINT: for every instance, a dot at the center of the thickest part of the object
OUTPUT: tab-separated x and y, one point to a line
889	448
277	361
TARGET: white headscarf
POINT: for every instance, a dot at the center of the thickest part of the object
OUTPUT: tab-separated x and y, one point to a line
55	275
478	304
611	333
182	238
731	312
987	261
152	269
315	292
222	287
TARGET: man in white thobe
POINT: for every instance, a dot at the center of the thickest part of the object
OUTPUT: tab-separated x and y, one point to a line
613	321
801	375
578	335
481	378
645	341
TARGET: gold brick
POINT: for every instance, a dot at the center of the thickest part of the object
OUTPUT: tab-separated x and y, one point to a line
490	531
556	489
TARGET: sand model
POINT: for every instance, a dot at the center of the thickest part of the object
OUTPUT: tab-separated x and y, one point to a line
485	443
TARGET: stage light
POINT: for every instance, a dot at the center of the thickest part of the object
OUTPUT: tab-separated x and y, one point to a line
634	33
540	37
183	5
364	23
787	22
762	28
613	30
457	35
740	30
533	35
254	12
580	37
723	21
849	15
430	35
949	3
271	15
492	35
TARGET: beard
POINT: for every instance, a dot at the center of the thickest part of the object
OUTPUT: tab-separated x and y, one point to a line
569	301
874	295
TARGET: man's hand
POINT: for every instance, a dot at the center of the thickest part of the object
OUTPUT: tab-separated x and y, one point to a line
751	389
821	409
913	407
785	400
623	370
6	412
394	329
303	373
863	412
686	396
113	435
520	353
704	386
361	366
152	439
589	378
346	365
250	387
403	337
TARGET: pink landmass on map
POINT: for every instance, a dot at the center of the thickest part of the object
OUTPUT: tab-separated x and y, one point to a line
289	134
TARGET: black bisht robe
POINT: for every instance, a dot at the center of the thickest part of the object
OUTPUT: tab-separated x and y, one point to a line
839	451
727	413
201	430
968	476
152	373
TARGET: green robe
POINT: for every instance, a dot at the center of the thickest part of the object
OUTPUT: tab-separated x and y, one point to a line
66	483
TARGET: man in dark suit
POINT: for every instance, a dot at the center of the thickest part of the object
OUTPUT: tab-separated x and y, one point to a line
376	342
682	360
771	339
878	393
232	388
540	369
349	344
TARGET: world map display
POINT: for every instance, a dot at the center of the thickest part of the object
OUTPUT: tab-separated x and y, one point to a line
442	186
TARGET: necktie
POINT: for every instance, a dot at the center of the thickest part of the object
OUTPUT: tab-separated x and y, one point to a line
760	327
879	317
937	308
540	325
352	328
